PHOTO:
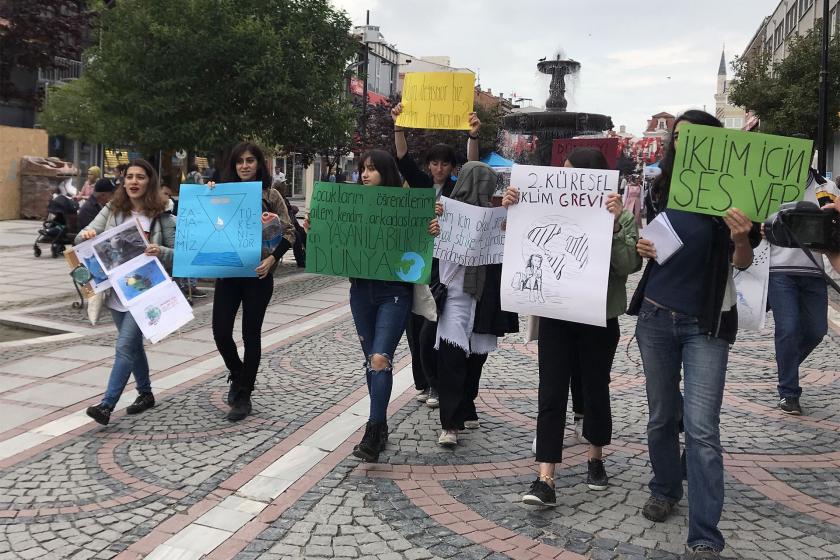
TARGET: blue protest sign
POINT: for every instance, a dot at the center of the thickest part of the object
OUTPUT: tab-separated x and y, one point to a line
219	232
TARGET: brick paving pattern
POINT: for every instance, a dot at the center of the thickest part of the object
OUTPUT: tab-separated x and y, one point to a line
154	485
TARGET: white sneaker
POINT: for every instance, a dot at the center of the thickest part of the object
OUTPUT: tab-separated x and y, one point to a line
579	430
423	395
448	438
472	424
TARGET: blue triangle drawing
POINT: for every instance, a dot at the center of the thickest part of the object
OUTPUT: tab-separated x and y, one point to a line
221	251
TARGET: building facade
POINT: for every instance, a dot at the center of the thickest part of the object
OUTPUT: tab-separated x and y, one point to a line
730	115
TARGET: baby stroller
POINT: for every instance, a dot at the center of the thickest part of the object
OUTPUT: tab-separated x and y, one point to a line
60	227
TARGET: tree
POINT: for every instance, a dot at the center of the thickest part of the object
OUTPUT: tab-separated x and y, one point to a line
192	74
33	33
785	95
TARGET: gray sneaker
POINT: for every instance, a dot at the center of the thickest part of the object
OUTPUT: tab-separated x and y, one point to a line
701	552
657	510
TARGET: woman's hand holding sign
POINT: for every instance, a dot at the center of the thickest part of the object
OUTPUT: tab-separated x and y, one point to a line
646	248
511	197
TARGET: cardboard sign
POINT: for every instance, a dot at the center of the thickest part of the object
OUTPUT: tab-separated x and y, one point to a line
219	233
441	100
562	147
716	169
470	235
380	233
558	243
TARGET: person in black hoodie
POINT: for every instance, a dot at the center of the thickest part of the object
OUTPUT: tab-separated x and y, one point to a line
687	318
440	163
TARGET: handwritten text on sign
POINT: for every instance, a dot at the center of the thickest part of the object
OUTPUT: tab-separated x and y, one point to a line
717	169
380	233
470	235
441	100
558	241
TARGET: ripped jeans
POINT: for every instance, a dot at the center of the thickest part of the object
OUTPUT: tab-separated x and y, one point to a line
380	311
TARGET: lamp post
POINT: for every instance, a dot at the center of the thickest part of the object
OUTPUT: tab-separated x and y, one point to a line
365	60
822	125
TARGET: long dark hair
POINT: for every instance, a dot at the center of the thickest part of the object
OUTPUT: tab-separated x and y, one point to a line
588	158
153	203
662	184
385	164
229	174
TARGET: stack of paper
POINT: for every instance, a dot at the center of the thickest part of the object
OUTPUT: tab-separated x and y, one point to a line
661	233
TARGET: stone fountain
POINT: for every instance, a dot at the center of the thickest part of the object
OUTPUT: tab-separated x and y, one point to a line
555	121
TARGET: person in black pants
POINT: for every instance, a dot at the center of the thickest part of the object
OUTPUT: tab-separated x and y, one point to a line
440	162
567	349
247	163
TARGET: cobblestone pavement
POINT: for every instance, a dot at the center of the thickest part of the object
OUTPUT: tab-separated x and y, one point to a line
181	482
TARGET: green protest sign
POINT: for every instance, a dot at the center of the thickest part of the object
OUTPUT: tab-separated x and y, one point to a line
380	233
716	169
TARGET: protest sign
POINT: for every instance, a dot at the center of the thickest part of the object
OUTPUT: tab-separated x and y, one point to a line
83	255
562	147
219	233
716	169
751	288
380	233
470	235
162	313
558	242
118	245
441	100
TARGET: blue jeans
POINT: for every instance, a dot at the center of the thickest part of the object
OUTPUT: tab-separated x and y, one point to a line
380	311
130	357
668	340
800	311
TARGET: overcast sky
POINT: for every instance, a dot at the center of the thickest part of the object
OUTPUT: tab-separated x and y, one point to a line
638	58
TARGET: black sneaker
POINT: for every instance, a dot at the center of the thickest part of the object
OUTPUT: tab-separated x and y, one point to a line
241	406
101	413
790	405
701	552
142	403
371	444
597	478
233	389
657	510
540	494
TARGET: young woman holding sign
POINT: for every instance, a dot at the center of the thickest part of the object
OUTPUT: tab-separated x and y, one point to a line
138	198
568	350
380	311
247	163
688	317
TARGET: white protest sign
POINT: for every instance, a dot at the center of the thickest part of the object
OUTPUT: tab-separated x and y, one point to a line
558	243
751	287
470	235
162	313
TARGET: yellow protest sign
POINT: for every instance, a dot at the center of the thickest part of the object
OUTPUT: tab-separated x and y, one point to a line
440	100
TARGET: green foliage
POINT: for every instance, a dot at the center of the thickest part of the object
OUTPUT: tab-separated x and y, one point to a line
785	95
198	74
37	31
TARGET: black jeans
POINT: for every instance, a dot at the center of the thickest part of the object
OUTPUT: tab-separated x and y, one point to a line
253	294
565	349
458	379
421	334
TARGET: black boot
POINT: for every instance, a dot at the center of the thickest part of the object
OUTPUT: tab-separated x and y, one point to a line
235	385
383	427
372	442
101	413
241	406
143	402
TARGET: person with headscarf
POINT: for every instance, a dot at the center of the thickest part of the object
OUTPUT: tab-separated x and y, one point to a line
471	320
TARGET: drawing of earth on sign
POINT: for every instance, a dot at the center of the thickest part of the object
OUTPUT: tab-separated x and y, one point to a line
218	249
411	267
554	252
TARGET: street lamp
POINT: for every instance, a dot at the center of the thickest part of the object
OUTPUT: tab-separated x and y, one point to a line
822	124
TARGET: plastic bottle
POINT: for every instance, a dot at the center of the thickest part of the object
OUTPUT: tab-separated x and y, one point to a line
272	230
